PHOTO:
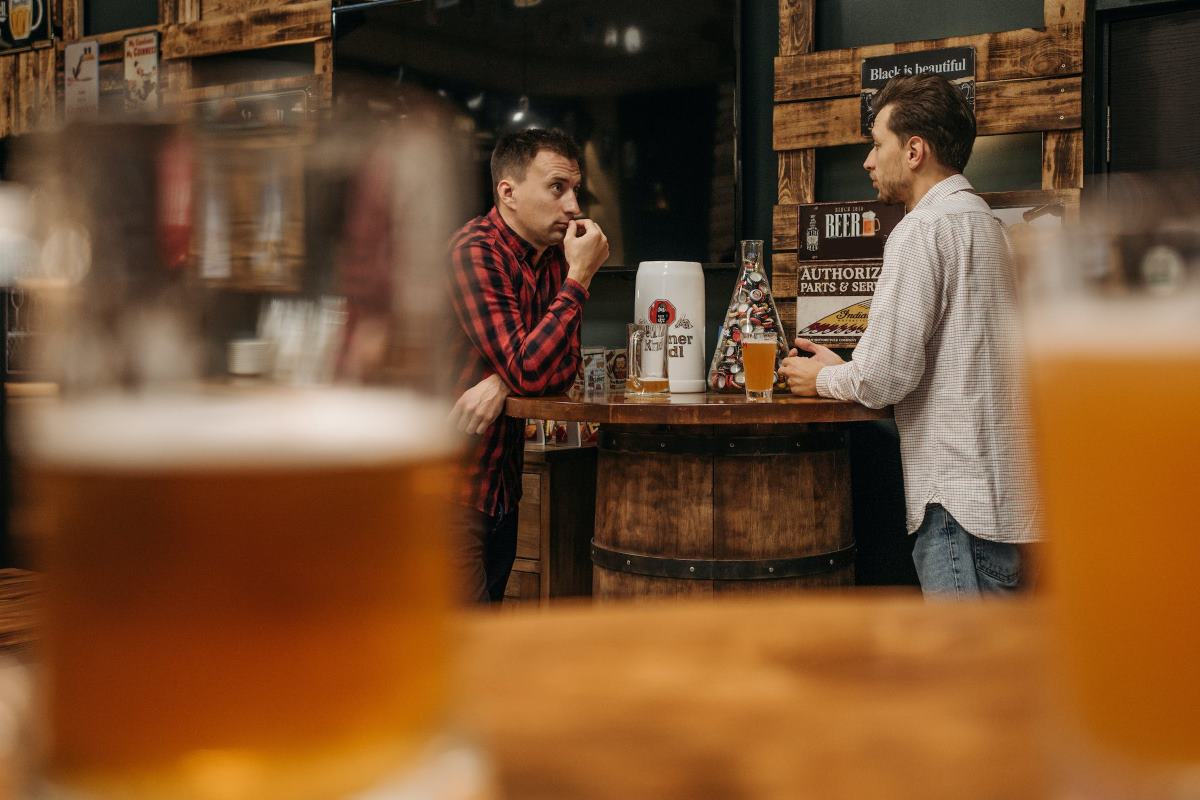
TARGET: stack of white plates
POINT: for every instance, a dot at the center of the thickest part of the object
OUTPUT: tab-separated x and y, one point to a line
248	357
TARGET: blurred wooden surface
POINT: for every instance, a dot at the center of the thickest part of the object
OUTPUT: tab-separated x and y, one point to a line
829	696
692	409
18	597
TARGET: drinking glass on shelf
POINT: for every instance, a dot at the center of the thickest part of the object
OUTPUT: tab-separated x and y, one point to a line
248	594
1112	318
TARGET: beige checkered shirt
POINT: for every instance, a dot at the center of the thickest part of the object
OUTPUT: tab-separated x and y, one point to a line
941	346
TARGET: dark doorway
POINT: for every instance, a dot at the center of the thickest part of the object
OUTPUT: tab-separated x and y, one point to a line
1148	98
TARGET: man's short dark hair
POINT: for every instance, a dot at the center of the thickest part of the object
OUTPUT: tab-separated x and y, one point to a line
929	106
515	151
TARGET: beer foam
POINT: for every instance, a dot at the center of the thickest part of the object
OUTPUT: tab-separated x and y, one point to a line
274	429
1115	326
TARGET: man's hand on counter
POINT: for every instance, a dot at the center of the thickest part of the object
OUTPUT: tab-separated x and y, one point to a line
586	248
801	373
480	405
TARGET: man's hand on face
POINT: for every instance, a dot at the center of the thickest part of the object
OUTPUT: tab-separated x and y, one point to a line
586	248
801	373
479	406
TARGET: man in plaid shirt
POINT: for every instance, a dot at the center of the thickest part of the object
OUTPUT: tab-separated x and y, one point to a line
519	278
941	346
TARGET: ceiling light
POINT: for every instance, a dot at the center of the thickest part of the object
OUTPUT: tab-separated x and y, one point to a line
633	39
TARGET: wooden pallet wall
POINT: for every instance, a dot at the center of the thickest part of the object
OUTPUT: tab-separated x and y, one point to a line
26	90
31	81
1026	80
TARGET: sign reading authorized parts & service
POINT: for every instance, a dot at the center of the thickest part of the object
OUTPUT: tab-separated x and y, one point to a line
838	261
955	64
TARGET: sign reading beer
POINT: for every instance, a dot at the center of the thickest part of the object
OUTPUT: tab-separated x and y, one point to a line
955	64
845	231
839	258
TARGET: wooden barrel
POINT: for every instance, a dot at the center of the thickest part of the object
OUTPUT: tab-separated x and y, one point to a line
702	510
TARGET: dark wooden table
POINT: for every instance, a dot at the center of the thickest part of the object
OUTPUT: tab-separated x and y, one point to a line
821	695
703	494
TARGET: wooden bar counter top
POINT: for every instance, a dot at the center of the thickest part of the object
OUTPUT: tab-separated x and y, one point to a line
704	494
692	409
837	696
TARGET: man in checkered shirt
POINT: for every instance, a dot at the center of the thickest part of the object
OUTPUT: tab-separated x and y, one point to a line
941	346
519	277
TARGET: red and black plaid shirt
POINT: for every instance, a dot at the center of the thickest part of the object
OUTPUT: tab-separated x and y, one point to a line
520	320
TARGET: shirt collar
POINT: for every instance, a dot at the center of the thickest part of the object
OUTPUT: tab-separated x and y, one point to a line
510	237
943	189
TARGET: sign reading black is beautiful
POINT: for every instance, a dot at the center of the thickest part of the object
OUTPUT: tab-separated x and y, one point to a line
955	64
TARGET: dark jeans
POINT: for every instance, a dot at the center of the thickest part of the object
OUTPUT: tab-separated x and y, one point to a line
484	550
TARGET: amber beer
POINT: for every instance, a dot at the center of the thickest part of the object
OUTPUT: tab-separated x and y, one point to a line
247	597
647	385
1117	427
758	360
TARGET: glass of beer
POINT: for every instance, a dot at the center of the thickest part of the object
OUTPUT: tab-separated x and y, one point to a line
247	584
647	361
759	351
1113	326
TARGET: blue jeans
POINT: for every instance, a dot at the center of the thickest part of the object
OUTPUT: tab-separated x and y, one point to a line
952	563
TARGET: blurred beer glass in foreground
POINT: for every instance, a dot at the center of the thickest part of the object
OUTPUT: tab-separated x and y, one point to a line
247	590
1113	320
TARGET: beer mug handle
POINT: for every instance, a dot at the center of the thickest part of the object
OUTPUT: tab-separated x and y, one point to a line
41	8
634	355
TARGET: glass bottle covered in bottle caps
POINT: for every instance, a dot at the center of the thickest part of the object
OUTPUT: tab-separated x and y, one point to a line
751	310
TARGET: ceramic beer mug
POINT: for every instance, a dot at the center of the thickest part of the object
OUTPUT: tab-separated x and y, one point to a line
647	360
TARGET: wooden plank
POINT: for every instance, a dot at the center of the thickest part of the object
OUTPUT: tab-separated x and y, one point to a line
177	80
797	170
46	78
186	11
1000	107
72	20
785	233
166	12
323	68
8	91
787	315
267	27
1057	12
1062	159
1020	106
796	26
1022	199
1008	55
211	9
27	93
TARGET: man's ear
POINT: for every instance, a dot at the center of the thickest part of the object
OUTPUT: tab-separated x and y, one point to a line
916	151
504	191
